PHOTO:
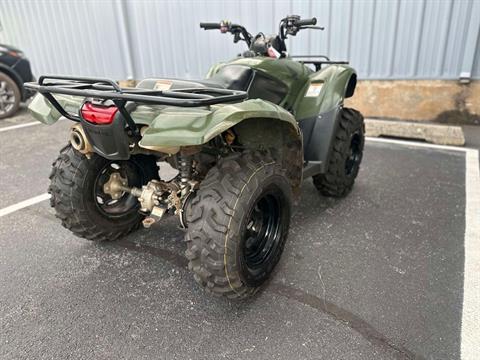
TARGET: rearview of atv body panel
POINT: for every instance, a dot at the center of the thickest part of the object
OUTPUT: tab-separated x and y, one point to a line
167	126
278	89
240	142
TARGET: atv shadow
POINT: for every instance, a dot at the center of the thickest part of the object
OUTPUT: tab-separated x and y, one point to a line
165	240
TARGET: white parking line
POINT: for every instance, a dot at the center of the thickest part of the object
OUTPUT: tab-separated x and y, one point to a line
19	126
23	204
470	338
470	334
418	144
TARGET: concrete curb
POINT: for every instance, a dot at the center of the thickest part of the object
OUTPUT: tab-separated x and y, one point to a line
432	133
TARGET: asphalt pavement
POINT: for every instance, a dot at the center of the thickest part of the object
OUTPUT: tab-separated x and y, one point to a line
377	275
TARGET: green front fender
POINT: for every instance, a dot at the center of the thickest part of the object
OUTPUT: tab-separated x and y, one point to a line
335	80
174	126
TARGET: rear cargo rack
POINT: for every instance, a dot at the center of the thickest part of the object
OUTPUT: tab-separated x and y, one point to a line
98	88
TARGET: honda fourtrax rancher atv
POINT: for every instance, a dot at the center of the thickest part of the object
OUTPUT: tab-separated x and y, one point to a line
241	141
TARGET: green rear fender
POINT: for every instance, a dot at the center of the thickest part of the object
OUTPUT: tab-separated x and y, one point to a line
174	126
336	81
41	109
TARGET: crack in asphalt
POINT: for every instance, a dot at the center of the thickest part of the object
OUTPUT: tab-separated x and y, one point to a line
353	321
367	331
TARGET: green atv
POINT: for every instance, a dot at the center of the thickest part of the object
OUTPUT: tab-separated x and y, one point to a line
240	143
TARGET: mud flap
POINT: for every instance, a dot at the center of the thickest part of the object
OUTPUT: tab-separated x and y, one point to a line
318	133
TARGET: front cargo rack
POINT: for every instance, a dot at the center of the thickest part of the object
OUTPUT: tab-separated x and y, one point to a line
97	88
317	60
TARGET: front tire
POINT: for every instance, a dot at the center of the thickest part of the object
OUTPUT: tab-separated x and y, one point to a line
77	196
238	224
346	156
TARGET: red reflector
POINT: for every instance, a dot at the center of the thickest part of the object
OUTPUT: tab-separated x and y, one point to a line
99	115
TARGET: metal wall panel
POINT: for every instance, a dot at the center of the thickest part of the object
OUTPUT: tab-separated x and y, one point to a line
476	64
67	37
383	39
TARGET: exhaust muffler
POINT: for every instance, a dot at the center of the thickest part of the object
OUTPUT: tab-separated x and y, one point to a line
79	141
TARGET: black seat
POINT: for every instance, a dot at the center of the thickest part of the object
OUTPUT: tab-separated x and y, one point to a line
233	77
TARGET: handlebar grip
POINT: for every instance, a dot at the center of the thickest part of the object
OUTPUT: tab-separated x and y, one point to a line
210	26
306	22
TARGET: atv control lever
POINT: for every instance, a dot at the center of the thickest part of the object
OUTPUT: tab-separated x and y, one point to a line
313	27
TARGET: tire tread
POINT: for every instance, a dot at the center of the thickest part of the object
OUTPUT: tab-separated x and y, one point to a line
66	185
211	216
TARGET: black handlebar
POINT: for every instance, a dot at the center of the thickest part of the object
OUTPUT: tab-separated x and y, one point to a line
210	26
290	25
306	22
238	31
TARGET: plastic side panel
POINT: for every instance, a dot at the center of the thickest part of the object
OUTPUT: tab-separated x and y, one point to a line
335	80
318	132
196	126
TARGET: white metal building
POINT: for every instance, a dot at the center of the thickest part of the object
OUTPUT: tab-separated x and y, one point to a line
383	39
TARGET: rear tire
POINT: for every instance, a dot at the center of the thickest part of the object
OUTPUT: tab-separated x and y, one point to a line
238	224
74	194
346	156
10	96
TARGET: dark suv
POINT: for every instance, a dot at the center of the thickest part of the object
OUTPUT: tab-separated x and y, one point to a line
14	71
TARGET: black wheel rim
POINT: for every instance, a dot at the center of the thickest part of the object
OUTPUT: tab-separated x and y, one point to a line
263	232
7	97
355	154
127	202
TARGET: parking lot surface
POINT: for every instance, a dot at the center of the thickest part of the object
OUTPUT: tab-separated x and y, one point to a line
379	274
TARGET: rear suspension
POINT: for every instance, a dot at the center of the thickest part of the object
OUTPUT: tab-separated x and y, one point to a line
157	197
